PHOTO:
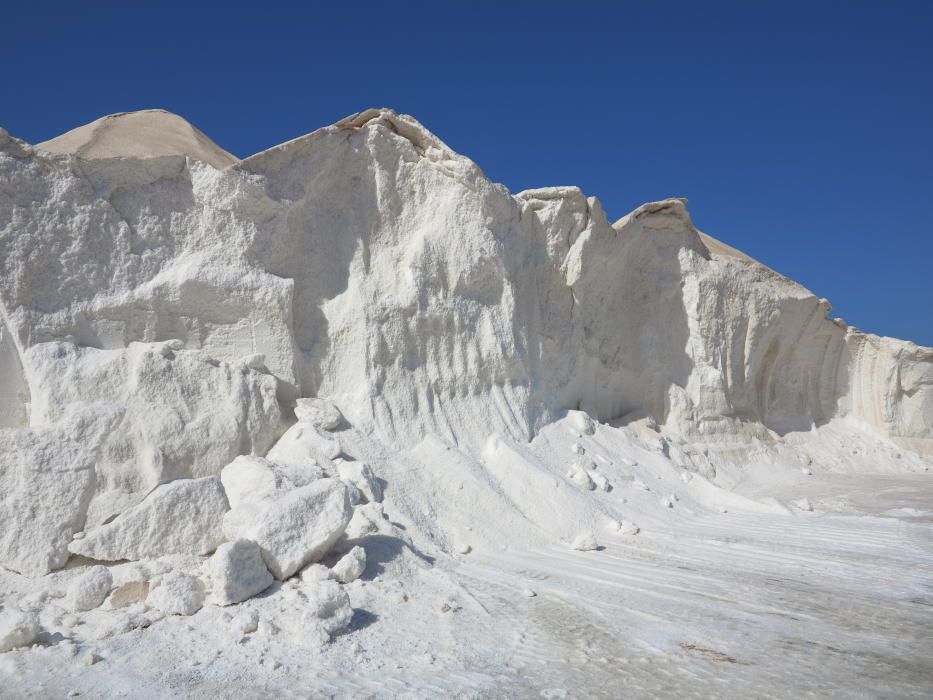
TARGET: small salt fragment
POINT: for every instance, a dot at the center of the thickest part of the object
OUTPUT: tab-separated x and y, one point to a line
585	542
320	413
89	590
267	629
17	629
351	565
361	476
315	572
245	622
177	593
581	422
238	572
329	609
581	478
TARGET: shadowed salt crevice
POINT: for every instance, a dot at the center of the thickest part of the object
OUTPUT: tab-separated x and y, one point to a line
14	391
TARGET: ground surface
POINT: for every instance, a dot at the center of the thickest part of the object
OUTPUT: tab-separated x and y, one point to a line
726	605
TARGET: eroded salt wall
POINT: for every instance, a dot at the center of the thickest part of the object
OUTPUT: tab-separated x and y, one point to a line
369	263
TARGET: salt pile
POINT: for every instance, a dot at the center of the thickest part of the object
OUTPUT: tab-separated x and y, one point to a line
272	382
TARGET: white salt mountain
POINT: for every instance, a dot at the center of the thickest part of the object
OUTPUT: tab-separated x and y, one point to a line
367	350
418	295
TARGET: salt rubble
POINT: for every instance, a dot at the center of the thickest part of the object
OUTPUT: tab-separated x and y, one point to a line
17	629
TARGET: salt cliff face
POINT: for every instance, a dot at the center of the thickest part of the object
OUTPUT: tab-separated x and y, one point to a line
144	268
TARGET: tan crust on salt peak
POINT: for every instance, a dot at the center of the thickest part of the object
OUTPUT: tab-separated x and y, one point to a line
150	133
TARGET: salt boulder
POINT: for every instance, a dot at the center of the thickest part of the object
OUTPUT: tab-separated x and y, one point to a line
177	593
320	413
47	481
186	414
350	566
253	478
360	475
238	572
293	528
18	629
181	517
89	590
305	445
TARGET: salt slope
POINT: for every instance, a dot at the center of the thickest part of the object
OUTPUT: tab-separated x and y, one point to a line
369	263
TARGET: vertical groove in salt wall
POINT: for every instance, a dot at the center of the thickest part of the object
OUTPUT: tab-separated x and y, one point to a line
14	392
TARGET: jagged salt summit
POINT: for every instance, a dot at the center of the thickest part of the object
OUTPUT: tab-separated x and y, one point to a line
184	337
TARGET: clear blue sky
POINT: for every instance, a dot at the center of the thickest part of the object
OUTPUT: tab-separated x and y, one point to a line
801	132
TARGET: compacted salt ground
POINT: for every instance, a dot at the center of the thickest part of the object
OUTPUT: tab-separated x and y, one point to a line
735	605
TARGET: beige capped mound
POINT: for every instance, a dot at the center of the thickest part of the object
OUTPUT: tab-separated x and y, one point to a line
717	247
149	133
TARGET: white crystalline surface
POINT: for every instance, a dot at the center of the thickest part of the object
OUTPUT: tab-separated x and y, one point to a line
586	458
238	572
177	593
89	590
294	528
181	517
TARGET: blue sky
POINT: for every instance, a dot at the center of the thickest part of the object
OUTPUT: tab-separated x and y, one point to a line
801	132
